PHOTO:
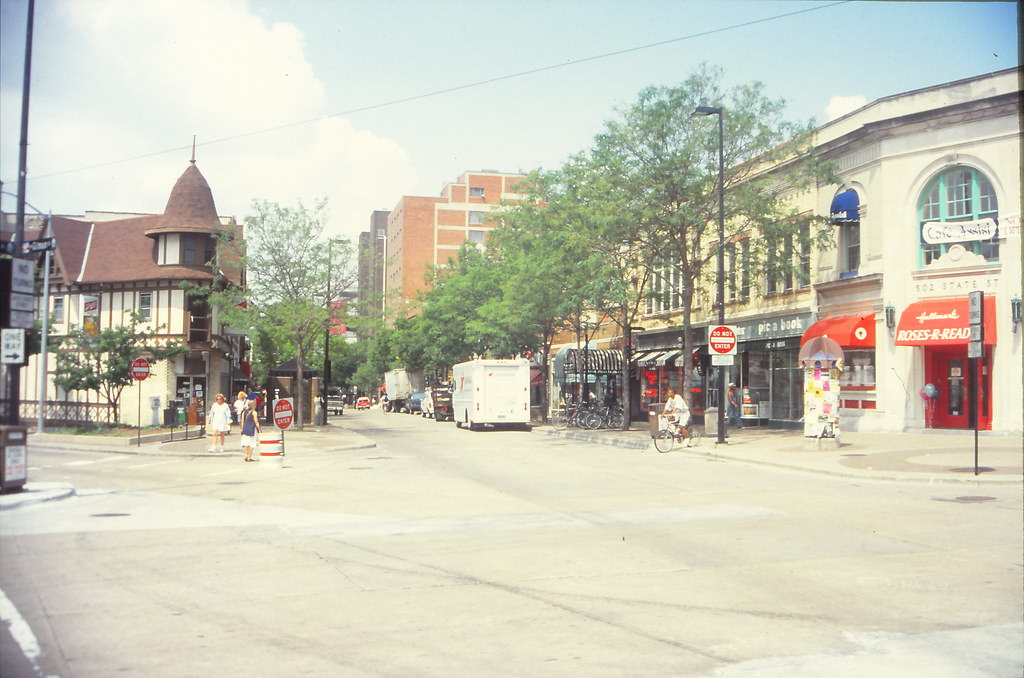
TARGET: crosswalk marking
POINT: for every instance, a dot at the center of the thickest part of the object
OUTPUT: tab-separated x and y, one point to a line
101	460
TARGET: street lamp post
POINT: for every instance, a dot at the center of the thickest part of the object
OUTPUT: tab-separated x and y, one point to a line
712	110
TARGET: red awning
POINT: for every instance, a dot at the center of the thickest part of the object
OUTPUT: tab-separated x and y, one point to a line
942	322
849	331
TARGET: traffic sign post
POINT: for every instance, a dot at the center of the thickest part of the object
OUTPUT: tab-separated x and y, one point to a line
140	369
140	372
284	415
13	342
722	340
975	351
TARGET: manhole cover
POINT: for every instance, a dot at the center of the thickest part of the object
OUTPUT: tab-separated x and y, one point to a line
110	515
970	499
360	468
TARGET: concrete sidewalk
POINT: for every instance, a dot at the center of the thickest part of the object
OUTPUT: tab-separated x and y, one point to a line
320	438
932	456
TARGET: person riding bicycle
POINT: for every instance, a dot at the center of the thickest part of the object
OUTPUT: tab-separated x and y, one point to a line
676	410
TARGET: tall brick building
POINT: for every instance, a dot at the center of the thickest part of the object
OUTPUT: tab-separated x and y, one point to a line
425	231
371	265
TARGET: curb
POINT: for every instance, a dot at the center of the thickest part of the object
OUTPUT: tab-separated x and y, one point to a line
923	476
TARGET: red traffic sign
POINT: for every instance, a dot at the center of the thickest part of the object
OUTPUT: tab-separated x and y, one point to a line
722	340
284	413
140	369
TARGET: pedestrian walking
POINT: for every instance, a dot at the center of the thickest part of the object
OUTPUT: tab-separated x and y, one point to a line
218	420
250	429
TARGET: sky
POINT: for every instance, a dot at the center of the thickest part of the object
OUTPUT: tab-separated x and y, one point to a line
363	102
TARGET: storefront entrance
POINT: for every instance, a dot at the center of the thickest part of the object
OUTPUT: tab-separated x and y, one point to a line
948	368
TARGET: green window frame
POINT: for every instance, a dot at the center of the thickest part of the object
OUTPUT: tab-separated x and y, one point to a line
958	194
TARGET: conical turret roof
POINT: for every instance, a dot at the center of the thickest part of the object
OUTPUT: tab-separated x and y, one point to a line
190	209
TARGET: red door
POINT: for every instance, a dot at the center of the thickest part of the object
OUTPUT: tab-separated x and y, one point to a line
948	369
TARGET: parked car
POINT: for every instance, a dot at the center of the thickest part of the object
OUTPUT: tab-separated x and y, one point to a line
363	403
413	404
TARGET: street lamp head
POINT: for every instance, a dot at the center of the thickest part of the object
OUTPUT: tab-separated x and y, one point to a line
707	110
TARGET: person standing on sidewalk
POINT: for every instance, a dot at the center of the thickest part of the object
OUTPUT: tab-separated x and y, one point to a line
218	419
734	407
250	429
239	406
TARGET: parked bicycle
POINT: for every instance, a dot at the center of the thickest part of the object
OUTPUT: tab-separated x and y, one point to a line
603	417
677	434
587	416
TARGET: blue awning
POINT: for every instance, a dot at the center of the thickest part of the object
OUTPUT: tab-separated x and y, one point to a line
845	207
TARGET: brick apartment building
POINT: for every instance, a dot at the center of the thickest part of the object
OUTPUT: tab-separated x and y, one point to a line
428	231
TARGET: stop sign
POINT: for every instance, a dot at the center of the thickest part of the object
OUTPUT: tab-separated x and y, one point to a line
722	340
140	369
283	413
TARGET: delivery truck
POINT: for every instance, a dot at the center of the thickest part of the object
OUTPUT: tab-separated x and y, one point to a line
491	393
399	385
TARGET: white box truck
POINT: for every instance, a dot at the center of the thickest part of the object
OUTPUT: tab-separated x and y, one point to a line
399	385
491	392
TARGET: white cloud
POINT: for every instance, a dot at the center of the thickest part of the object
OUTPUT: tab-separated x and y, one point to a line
838	106
129	79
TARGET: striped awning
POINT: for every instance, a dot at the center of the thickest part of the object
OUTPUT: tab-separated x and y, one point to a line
668	357
598	361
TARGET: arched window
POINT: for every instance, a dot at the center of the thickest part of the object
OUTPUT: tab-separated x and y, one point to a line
958	208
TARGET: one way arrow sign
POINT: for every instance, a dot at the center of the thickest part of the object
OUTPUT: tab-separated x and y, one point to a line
12	346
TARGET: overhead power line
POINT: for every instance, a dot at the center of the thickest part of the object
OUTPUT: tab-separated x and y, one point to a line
449	90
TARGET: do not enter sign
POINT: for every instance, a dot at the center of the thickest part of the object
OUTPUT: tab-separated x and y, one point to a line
722	340
140	369
284	413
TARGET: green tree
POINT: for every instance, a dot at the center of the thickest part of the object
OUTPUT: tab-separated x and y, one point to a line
293	277
552	275
649	185
101	362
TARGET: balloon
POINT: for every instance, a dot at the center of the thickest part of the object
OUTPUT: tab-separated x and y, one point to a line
931	390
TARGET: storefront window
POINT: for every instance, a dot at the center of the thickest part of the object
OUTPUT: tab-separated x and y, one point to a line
756	377
787	381
859	372
958	208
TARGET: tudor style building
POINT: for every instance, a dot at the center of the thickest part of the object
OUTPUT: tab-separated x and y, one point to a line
107	266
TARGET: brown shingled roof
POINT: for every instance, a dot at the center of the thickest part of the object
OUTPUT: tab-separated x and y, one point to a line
190	209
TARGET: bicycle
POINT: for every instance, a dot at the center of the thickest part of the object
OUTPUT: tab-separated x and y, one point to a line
603	417
667	437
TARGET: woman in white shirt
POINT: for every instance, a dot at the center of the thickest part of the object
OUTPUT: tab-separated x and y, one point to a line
218	420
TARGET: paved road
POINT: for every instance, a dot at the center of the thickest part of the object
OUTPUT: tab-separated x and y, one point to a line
443	552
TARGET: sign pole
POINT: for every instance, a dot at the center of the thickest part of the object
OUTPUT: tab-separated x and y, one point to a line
975	351
138	419
140	372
